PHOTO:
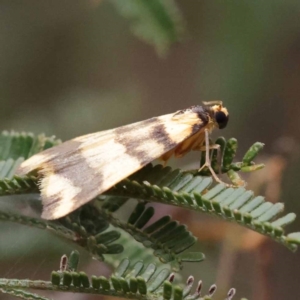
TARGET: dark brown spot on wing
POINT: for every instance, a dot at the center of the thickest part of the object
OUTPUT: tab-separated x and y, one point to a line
75	168
134	143
160	135
204	113
132	148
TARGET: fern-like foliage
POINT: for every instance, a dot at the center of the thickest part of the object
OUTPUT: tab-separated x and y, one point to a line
137	281
197	193
153	249
174	187
16	147
98	231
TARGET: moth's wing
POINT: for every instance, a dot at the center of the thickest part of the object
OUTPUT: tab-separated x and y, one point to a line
65	149
76	171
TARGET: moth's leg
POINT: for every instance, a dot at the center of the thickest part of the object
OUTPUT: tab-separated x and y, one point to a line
219	157
207	158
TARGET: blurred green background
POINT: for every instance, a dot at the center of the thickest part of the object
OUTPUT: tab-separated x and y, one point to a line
73	67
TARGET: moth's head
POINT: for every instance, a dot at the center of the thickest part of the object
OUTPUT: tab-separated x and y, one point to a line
220	114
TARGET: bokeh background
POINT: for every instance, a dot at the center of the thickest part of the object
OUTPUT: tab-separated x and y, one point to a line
73	67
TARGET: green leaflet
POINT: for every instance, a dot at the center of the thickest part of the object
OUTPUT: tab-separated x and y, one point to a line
232	204
97	228
155	183
16	147
139	281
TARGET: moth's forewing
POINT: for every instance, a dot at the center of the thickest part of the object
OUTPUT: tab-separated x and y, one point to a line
78	170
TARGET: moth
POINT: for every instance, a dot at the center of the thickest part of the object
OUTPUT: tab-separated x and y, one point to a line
76	171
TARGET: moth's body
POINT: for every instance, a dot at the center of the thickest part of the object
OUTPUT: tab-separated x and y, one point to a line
78	170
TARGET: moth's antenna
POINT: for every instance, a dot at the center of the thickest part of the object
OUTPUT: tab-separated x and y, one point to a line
211	103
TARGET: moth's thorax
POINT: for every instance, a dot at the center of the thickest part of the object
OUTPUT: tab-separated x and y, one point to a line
210	116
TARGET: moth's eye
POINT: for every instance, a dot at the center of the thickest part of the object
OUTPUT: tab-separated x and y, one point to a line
221	119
